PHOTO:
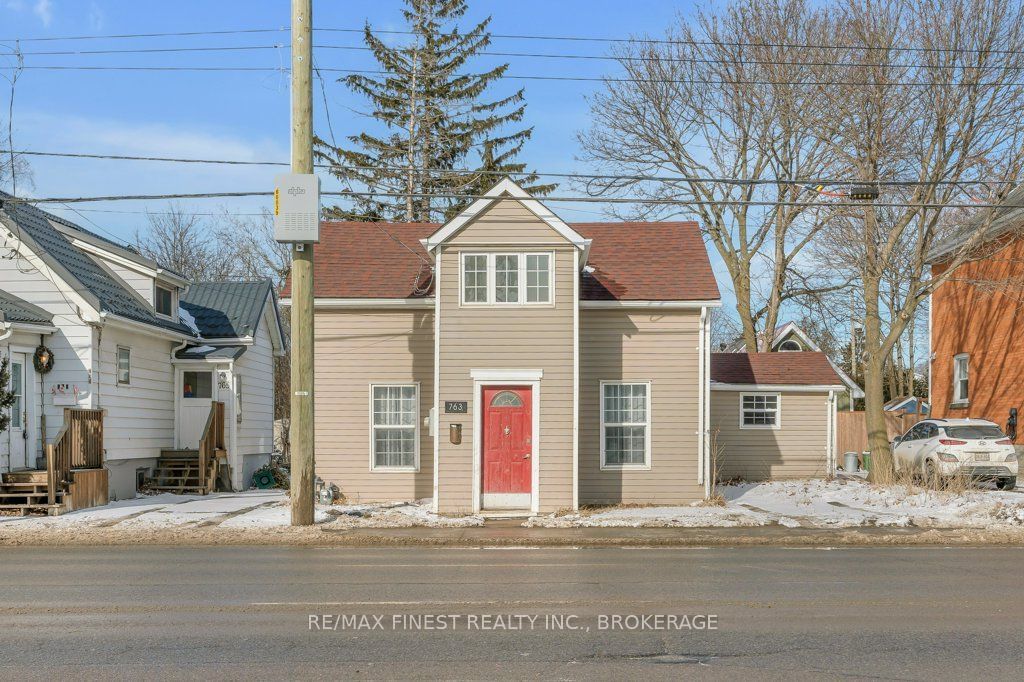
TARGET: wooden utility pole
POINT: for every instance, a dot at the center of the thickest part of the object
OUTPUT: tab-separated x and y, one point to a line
302	273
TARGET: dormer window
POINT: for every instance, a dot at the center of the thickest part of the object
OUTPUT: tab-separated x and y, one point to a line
507	278
163	300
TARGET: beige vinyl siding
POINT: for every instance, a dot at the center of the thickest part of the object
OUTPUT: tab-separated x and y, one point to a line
512	337
661	348
507	222
795	450
353	350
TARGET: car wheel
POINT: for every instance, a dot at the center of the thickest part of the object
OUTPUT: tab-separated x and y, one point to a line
1007	483
931	475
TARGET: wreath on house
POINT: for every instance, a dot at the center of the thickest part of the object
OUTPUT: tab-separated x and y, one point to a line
42	359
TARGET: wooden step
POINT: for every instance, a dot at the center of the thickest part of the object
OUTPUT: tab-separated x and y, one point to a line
27	496
184	452
23	477
178	488
24	509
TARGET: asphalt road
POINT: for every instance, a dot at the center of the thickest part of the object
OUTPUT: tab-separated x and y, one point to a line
245	612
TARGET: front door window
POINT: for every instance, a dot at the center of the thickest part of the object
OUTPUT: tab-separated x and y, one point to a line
18	389
197	385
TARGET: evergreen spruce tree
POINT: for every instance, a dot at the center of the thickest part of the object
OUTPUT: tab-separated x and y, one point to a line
435	119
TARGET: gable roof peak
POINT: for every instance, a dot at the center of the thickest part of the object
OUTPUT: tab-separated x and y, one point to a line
506	188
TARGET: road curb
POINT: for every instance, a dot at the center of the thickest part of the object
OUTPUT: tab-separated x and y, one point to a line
769	536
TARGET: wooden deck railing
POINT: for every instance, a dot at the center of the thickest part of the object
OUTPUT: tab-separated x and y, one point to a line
211	441
78	445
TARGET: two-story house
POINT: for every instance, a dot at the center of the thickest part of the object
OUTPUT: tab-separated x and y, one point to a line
976	365
507	360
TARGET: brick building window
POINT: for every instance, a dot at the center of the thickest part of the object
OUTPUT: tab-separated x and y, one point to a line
961	393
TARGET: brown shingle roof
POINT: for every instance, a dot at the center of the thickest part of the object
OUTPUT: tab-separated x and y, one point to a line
630	261
792	369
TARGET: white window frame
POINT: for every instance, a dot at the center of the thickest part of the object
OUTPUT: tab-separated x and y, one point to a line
117	365
174	299
798	348
416	430
957	398
492	279
778	411
646	466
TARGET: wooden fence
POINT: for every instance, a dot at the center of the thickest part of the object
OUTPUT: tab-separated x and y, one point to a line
852	430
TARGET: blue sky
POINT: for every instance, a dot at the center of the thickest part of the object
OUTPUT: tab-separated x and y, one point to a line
231	115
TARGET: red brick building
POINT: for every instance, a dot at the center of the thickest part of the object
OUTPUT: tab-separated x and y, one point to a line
977	318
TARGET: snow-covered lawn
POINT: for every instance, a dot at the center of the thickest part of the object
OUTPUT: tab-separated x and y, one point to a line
252	509
842	503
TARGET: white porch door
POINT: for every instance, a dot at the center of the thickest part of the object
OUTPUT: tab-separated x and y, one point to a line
196	395
21	432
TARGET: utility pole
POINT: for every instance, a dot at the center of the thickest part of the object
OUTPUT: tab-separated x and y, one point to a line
302	273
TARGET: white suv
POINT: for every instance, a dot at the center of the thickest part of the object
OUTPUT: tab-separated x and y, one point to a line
947	447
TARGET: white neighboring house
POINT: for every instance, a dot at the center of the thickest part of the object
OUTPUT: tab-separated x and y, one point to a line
134	339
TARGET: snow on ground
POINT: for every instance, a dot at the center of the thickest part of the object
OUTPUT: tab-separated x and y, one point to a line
252	509
841	503
398	515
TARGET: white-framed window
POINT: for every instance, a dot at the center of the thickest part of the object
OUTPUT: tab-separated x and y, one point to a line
625	425
163	299
124	365
961	364
790	346
474	278
760	410
394	427
507	278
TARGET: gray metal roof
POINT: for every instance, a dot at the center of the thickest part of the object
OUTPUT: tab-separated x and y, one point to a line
14	309
226	309
210	353
87	276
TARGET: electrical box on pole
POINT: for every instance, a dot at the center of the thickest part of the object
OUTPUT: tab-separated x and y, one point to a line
297	208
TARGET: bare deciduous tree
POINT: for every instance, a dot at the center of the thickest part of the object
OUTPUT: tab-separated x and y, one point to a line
249	242
930	94
723	97
187	244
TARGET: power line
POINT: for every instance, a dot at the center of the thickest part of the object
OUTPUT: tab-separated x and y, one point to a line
531	55
582	199
147	50
114	36
704	43
583	79
552	174
537	37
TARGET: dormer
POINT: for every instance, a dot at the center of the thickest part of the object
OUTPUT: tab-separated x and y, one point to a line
154	284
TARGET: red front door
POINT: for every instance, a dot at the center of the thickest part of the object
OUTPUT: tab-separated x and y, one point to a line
507	440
